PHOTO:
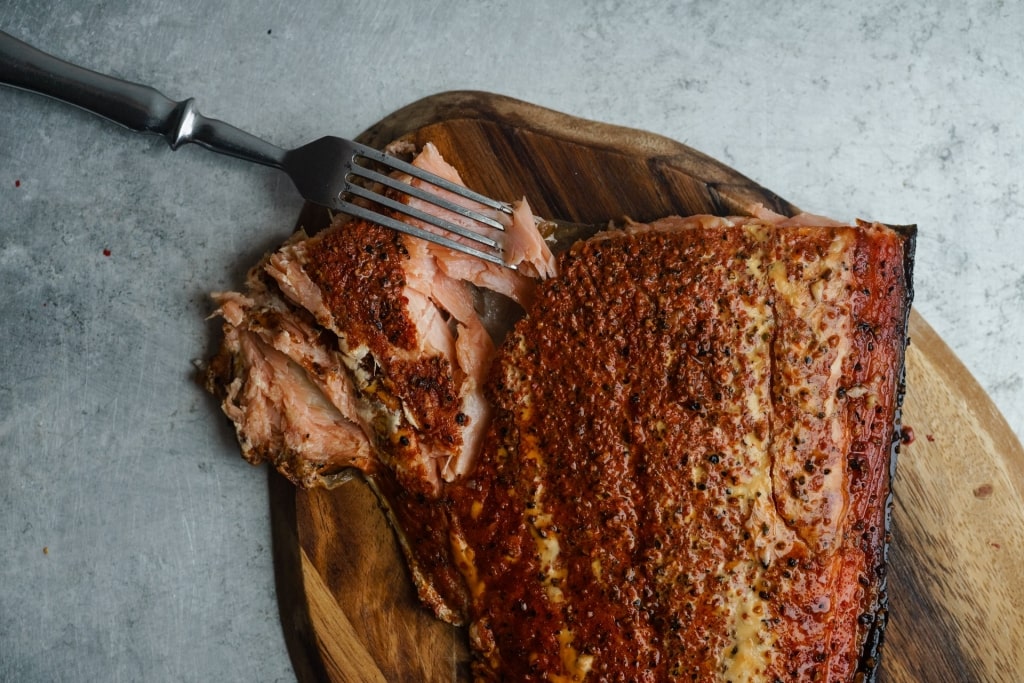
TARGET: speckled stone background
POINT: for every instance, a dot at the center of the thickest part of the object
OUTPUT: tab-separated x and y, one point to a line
134	542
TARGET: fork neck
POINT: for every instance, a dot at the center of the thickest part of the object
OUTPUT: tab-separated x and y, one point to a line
218	136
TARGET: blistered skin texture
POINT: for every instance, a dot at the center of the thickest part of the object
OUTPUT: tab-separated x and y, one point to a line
688	465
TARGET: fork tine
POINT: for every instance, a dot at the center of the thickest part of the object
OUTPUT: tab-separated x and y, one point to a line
389	222
399	165
429	197
413	212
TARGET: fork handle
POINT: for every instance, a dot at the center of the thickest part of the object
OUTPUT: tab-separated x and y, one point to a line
138	107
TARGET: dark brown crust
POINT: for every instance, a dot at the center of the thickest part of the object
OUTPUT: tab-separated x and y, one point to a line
422	527
878	618
360	270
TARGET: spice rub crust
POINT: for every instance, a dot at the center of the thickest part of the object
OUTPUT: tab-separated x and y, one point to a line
688	467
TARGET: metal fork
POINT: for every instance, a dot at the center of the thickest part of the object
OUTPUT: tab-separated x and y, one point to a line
329	171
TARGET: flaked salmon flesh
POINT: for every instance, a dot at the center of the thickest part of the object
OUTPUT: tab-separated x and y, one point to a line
379	334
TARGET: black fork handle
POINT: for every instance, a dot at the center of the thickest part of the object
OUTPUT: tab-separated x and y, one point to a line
135	106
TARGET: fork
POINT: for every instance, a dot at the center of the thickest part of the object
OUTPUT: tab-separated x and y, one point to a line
333	172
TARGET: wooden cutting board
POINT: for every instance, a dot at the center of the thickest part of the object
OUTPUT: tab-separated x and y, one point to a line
956	577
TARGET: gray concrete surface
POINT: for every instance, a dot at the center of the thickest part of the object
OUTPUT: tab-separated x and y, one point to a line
134	542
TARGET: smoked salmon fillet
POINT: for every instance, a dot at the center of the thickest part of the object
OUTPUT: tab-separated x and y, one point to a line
687	475
674	466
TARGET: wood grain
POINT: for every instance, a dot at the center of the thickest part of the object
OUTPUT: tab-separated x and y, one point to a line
957	556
